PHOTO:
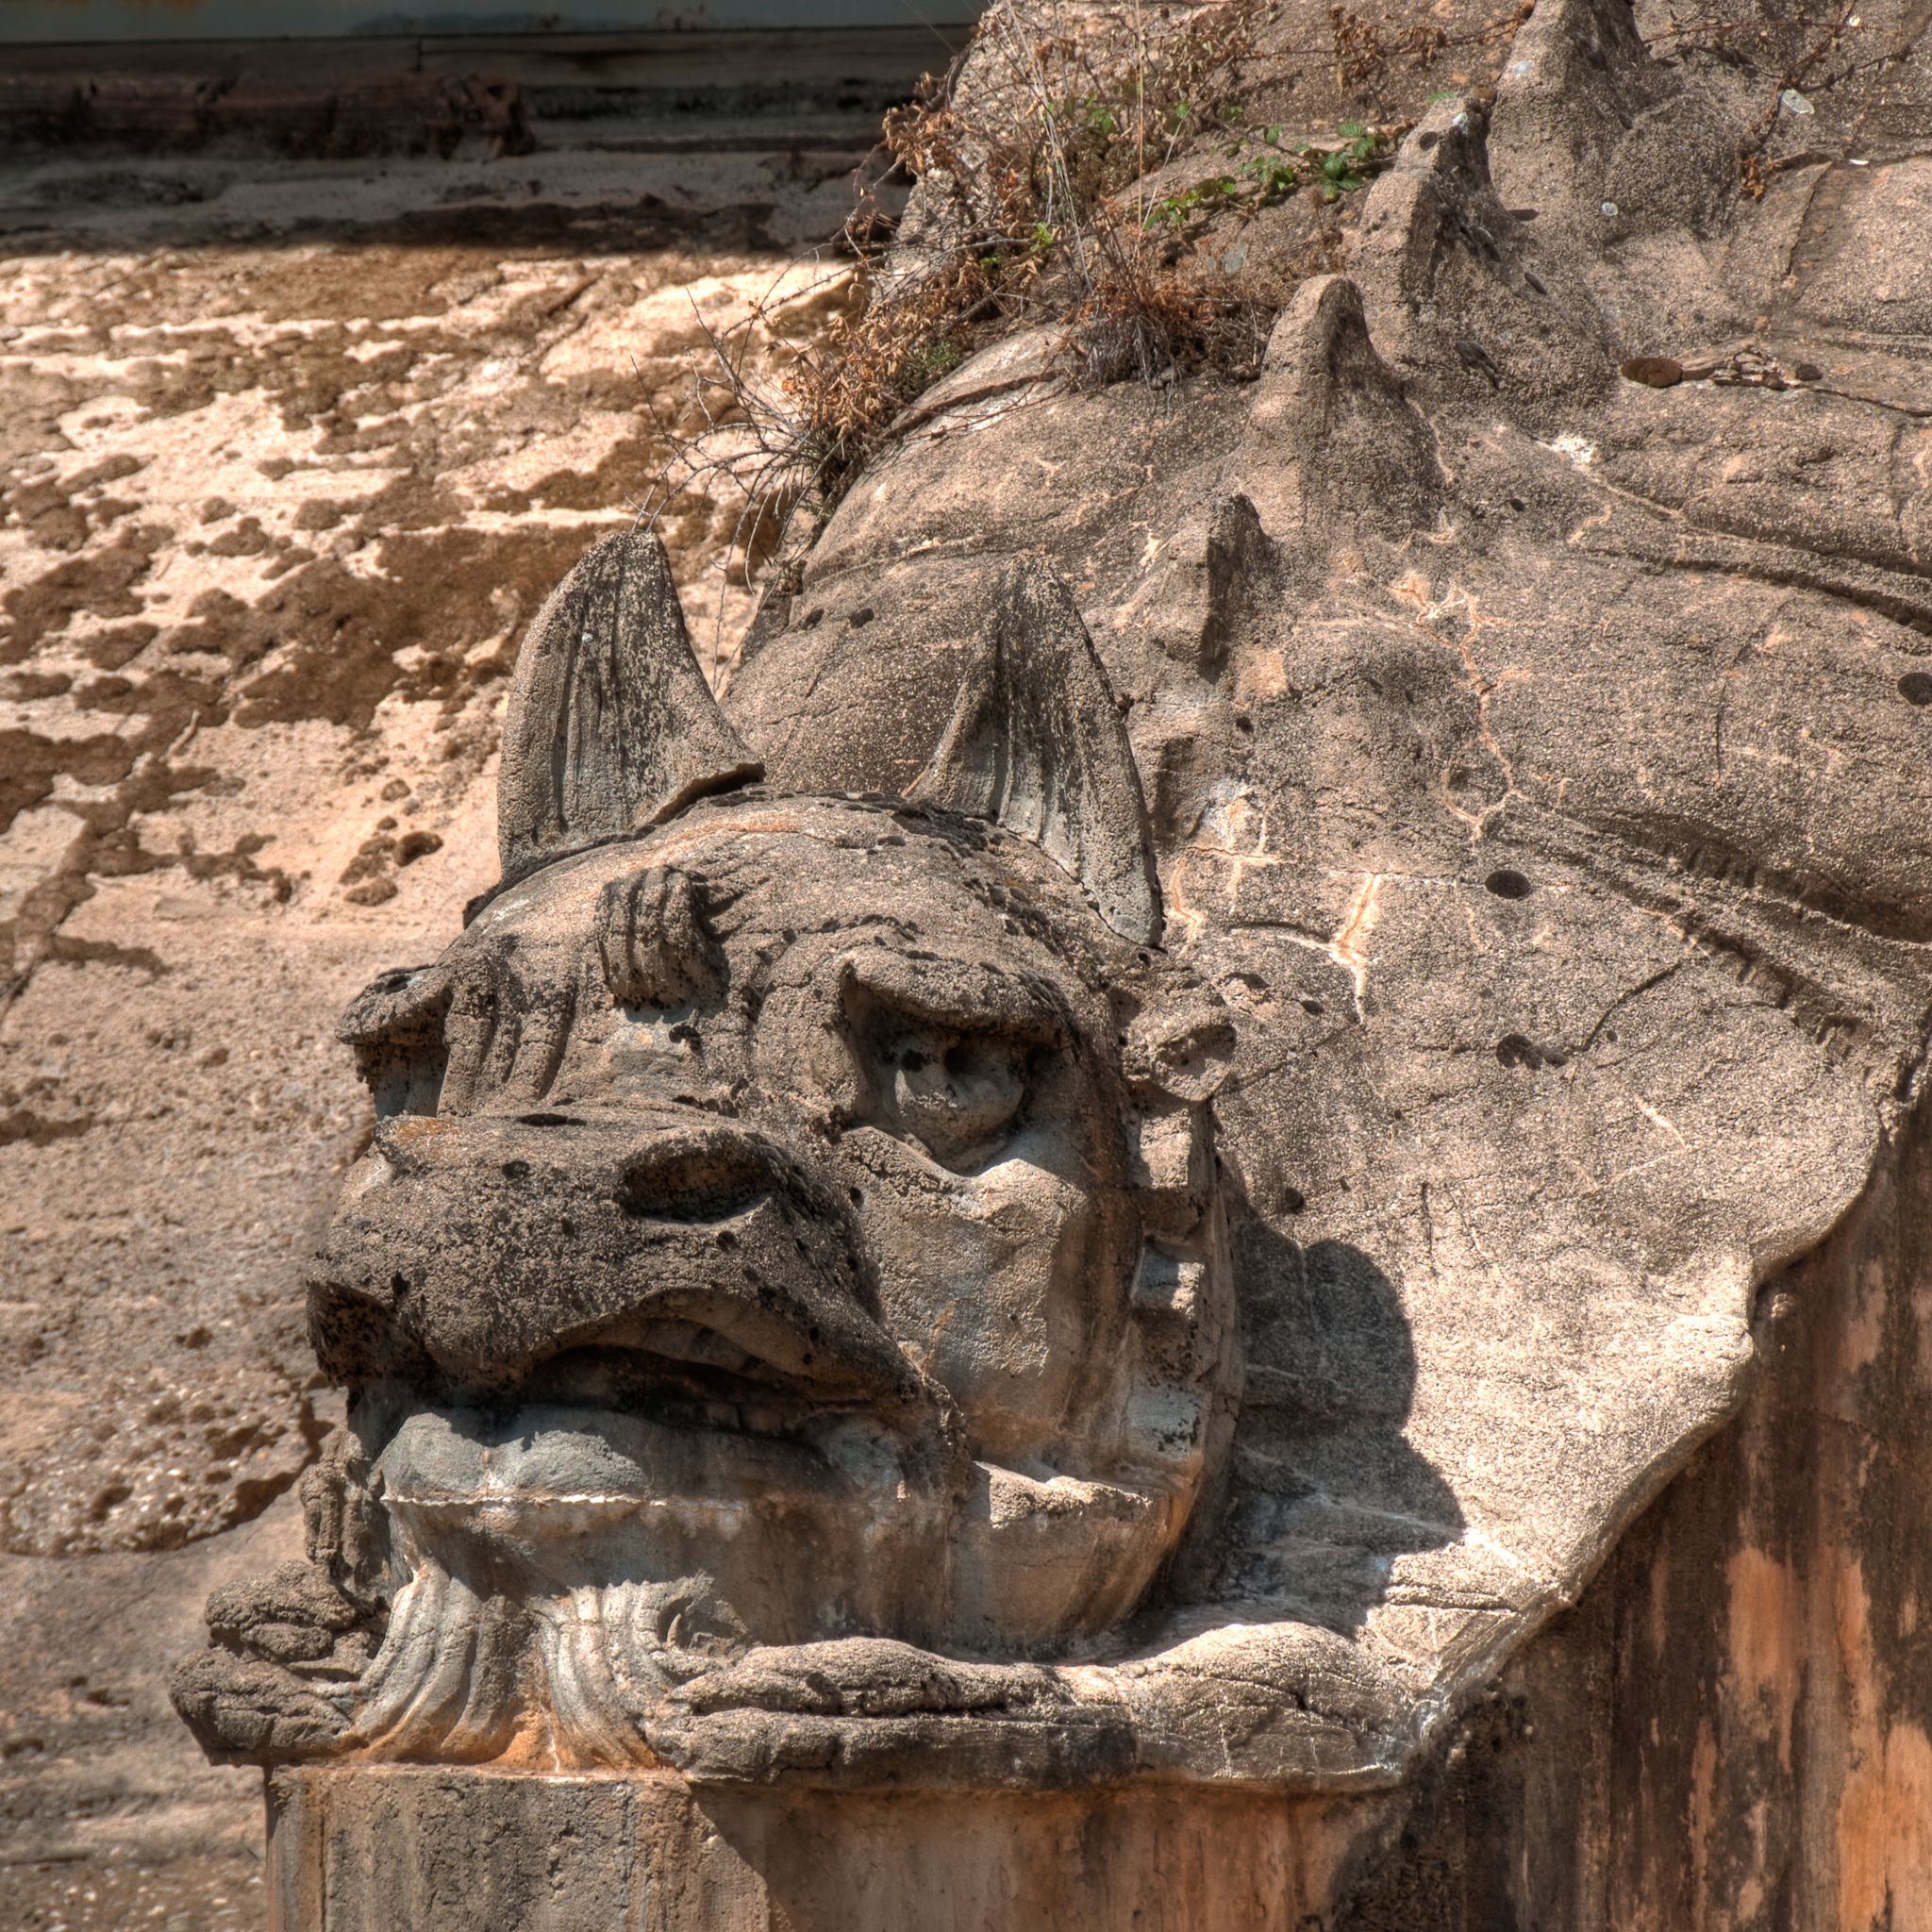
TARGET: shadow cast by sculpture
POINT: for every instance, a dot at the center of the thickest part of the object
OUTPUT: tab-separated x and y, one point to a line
1326	1489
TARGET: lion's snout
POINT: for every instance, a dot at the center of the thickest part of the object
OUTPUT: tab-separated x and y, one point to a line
663	1258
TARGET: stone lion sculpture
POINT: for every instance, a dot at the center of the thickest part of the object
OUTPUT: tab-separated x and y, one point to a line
1230	1258
786	1308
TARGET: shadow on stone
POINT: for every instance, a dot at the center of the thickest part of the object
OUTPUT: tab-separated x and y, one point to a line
1327	1491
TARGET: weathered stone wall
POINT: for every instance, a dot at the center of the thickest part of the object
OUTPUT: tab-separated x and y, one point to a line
434	1848
1730	1731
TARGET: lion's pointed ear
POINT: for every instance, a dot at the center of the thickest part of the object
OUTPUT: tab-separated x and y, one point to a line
1036	745
611	727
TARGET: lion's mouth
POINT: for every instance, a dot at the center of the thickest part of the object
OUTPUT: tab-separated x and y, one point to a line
682	1376
655	1412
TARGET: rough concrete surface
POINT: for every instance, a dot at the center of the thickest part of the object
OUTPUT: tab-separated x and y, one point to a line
1730	1729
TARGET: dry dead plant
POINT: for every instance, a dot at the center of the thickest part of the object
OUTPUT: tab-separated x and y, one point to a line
1033	206
1057	184
1365	48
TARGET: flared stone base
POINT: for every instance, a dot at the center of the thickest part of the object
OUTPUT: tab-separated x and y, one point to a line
383	1849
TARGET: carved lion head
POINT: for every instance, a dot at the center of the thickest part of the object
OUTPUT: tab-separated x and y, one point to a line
787	1220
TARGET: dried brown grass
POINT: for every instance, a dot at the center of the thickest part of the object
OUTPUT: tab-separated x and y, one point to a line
1032	158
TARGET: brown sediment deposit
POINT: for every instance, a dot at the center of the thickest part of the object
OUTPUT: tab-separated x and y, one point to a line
273	520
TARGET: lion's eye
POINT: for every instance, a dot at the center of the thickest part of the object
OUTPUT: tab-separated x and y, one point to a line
957	1093
947	1051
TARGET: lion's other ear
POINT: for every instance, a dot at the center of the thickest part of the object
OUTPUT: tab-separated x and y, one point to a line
1036	745
611	727
1175	1057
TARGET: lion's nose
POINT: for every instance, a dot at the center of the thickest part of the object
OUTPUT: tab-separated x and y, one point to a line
682	1171
698	1183
484	1246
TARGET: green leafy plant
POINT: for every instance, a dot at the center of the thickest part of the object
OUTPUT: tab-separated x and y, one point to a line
1342	170
1276	172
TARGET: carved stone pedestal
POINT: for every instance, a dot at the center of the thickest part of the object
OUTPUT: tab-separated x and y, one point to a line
390	1849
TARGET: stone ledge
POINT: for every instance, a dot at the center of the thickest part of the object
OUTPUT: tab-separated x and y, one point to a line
467	96
397	1849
